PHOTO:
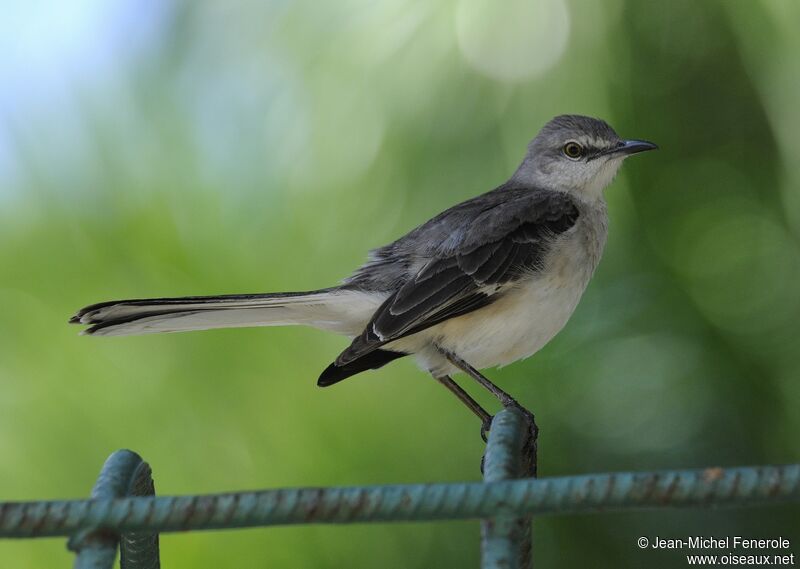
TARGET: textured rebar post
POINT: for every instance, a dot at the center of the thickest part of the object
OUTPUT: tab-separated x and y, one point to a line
506	538
139	549
123	474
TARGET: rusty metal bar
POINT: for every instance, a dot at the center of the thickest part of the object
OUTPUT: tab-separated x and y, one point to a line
123	474
506	538
717	487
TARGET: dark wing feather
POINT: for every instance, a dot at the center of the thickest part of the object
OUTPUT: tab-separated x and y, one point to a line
503	239
373	360
477	259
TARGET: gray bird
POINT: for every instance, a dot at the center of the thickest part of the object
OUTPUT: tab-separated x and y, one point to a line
485	283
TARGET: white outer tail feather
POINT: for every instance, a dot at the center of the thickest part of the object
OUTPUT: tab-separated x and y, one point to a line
341	311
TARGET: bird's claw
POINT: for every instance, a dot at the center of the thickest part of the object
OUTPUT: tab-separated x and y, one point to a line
513	404
485	427
532	443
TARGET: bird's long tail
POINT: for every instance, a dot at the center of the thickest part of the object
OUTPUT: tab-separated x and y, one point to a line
330	309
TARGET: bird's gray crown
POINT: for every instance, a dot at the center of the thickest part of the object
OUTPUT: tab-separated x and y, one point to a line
592	132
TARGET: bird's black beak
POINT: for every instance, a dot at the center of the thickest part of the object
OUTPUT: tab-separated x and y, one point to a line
629	147
625	148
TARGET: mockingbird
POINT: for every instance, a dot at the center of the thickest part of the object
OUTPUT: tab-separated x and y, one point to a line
485	283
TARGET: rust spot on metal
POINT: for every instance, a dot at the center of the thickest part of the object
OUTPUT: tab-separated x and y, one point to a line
232	509
612	481
776	484
59	521
666	498
189	512
334	509
584	490
102	537
205	507
651	480
315	505
151	510
279	499
24	516
37	526
713	474
737	478
360	504
378	500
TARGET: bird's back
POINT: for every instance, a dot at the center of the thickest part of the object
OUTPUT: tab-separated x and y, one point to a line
465	225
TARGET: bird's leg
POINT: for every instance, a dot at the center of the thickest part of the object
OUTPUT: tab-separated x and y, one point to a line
466	399
506	399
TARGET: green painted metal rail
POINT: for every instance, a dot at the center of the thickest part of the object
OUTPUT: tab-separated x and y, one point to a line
122	509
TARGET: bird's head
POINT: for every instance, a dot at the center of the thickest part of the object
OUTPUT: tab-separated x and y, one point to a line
576	154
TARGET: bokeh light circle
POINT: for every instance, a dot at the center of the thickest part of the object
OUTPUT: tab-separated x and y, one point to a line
513	40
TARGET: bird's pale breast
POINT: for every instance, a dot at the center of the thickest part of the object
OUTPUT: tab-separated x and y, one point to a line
528	315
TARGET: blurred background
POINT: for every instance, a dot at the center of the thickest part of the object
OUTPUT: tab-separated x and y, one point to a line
152	148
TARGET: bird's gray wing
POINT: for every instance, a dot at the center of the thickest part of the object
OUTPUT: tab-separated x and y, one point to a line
471	251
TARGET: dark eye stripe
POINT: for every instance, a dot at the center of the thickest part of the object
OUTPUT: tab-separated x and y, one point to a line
597	152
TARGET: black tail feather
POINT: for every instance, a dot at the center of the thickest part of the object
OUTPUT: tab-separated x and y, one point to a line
372	360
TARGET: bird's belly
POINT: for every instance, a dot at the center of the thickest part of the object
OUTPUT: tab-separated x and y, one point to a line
514	327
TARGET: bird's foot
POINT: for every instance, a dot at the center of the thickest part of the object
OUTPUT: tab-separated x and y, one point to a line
531	445
486	425
529	417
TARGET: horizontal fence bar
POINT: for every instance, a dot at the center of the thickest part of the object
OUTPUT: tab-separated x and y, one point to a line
566	495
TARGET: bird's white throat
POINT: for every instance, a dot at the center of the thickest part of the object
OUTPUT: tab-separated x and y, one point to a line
602	178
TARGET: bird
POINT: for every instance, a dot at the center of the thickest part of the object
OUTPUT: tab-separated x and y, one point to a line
485	283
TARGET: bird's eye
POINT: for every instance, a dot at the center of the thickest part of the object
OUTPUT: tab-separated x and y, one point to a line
573	150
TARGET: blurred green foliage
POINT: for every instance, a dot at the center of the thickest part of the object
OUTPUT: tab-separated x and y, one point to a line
243	147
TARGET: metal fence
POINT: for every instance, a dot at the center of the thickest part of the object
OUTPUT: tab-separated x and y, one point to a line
124	513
